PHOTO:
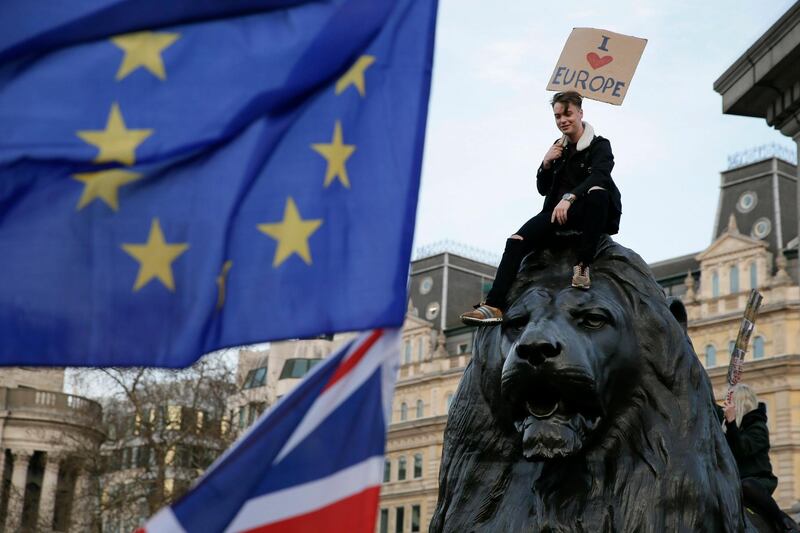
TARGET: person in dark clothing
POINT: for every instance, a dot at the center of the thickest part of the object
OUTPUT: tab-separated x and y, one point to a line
575	179
748	437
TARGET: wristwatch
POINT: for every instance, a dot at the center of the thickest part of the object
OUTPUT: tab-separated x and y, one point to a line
569	197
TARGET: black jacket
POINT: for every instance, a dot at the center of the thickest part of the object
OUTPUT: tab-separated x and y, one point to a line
750	447
587	168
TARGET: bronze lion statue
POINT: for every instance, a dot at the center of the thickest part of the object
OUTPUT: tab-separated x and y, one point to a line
586	411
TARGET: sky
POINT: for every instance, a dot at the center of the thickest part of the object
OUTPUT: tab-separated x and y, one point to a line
489	121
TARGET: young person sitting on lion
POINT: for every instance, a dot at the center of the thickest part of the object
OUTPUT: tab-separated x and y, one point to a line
575	179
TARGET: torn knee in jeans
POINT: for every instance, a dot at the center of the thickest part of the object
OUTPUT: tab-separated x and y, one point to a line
515	244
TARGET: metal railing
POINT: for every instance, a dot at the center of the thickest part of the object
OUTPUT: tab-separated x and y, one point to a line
761	153
456	248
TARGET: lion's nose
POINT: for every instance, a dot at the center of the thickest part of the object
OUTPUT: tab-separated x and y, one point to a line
537	353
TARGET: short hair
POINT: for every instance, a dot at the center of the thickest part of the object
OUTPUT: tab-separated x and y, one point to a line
566	98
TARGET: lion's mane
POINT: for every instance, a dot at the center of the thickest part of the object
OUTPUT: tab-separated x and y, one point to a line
660	463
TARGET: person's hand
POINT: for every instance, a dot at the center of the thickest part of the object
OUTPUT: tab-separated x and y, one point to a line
730	410
552	154
560	212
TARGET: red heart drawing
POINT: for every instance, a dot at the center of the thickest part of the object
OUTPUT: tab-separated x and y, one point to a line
596	61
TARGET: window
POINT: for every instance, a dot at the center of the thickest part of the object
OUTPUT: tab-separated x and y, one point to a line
426	285
731	346
297	368
254	409
462	348
714	284
415	518
753	276
384	527
449	400
711	356
257	377
200	420
403	411
747	201
417	465
242	416
420	349
174	417
398	523
420	409
758	347
401	469
761	228
734	279
387	470
407	353
143	457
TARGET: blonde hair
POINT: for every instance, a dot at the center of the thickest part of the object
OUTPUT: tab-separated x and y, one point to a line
745	400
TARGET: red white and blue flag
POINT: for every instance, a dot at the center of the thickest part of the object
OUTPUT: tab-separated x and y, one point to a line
312	462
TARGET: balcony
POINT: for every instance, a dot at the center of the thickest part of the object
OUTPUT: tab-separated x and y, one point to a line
51	404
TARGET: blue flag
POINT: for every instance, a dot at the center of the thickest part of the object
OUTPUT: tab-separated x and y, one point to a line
193	175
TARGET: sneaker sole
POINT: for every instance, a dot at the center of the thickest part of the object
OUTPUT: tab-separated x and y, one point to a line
578	286
480	321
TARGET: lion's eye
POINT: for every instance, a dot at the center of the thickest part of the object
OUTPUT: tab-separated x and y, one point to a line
514	324
593	321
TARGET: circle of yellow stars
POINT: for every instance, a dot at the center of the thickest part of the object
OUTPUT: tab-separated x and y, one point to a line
117	143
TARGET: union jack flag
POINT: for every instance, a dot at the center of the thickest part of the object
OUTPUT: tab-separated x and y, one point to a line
312	462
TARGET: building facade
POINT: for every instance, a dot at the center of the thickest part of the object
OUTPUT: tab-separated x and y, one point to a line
266	374
435	351
43	483
765	83
161	435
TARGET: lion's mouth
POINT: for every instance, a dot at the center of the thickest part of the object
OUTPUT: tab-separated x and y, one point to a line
548	398
541	411
554	414
543	402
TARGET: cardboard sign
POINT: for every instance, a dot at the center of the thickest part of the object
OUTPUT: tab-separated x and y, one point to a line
598	64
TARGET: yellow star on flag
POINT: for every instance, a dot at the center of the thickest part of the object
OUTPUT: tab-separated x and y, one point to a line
221	279
104	185
155	258
292	234
336	154
143	49
355	76
116	142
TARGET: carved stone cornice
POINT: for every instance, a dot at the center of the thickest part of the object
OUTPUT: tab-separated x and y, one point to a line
762	82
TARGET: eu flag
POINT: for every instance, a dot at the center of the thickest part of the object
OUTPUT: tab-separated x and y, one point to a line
177	177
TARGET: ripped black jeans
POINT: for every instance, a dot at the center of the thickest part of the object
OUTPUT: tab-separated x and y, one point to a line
588	215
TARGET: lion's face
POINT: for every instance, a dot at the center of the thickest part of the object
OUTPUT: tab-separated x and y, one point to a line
613	411
570	358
